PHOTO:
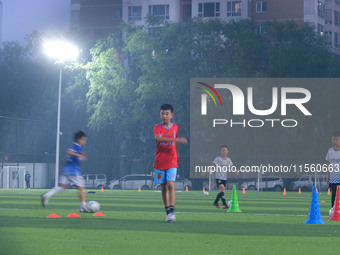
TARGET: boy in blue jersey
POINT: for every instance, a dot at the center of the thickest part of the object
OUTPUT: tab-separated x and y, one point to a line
71	173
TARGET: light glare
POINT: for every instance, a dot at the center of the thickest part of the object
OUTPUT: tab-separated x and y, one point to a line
61	50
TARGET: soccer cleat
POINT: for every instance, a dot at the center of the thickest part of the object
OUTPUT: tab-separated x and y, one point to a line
170	217
217	206
44	201
225	207
84	209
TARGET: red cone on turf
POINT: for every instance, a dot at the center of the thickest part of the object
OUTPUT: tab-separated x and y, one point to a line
53	215
299	190
284	191
244	191
73	215
336	207
329	192
102	189
98	214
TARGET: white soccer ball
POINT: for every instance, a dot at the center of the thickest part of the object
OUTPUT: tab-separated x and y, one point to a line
93	206
206	193
229	203
330	212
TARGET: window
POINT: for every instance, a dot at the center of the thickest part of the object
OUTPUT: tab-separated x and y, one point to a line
261	7
91	177
234	8
135	13
101	177
336	40
261	29
161	11
336	18
321	9
320	29
209	9
117	13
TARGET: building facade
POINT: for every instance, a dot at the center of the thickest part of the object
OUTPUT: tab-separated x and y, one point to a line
1	24
106	15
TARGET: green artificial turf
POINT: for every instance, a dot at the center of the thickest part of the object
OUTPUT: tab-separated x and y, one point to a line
270	223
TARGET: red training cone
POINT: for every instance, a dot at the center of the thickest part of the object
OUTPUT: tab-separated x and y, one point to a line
53	215
98	214
73	215
336	208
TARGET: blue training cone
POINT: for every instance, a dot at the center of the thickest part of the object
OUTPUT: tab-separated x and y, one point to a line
314	216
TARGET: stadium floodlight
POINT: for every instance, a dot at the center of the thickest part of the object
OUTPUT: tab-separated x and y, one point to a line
60	51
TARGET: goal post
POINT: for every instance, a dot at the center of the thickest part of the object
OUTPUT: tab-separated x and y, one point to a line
12	177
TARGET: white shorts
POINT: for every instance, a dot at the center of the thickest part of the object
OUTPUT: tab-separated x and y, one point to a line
77	180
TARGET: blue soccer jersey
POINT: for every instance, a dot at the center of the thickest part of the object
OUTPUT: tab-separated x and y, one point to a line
72	164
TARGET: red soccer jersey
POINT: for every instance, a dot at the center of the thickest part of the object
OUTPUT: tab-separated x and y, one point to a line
166	155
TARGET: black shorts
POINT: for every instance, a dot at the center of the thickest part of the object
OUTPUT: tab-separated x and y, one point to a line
220	182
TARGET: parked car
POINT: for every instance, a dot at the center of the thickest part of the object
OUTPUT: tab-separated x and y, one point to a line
133	181
267	183
180	184
306	183
95	181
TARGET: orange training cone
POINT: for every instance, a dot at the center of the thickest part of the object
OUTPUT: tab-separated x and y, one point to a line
284	191
102	188
98	214
244	191
71	215
203	189
317	192
329	191
53	215
139	189
336	207
299	190
186	189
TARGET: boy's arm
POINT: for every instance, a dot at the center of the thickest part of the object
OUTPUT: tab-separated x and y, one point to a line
159	138
328	173
82	156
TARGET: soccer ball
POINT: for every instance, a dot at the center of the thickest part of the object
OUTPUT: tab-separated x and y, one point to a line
93	206
330	212
206	193
229	203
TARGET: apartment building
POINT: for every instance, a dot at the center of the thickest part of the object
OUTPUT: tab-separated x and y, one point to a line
106	15
95	15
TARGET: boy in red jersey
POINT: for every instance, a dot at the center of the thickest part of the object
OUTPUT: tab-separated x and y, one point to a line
166	158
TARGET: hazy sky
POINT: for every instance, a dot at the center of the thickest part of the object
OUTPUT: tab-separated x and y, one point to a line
21	17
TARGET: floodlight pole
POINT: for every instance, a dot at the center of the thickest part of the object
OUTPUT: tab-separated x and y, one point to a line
58	130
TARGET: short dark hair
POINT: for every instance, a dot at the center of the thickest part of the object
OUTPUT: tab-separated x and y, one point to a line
224	146
78	135
165	107
336	134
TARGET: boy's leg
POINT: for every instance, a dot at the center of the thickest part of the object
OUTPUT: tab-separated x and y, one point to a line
222	188
45	197
333	187
172	195
165	195
218	183
81	192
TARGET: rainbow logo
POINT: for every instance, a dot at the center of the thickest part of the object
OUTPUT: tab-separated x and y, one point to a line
209	93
